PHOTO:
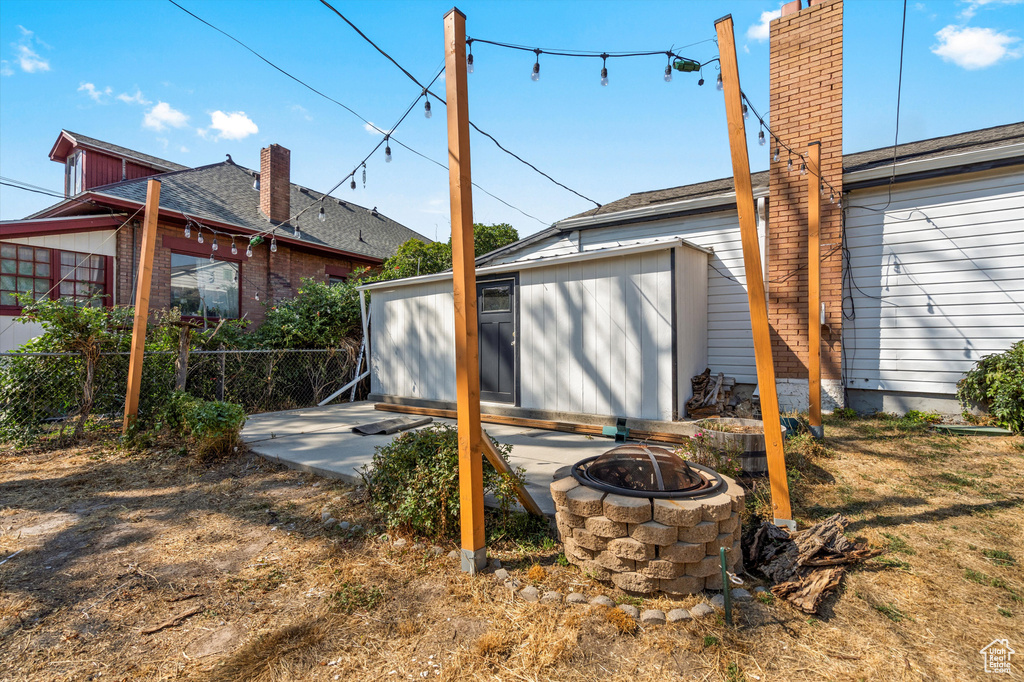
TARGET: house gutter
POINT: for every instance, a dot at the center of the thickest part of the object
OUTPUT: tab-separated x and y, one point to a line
540	263
923	169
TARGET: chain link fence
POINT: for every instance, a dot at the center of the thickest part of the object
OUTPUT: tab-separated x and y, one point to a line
44	392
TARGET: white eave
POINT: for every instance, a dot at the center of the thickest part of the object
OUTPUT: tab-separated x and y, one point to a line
516	266
914	167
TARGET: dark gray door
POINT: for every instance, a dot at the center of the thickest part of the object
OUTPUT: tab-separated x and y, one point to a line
496	309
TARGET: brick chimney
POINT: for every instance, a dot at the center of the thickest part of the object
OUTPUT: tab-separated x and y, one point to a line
275	182
806	104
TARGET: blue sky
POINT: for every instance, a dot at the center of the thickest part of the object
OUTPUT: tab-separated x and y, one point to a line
147	76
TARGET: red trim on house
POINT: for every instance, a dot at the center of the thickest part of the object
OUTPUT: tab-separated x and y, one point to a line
297	244
190	247
108	283
337	270
40	227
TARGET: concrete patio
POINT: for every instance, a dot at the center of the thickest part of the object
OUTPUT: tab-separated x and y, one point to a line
320	440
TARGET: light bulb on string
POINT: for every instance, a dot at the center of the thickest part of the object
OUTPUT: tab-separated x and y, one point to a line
353	183
426	109
213	246
273	244
234	249
668	69
297	232
701	81
211	257
188	231
719	85
535	74
257	297
775	157
364	176
803	169
469	57
821	186
199	237
387	153
248	250
760	137
789	164
746	112
322	216
604	69
831	197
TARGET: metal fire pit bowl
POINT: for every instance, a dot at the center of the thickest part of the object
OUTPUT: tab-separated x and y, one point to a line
646	471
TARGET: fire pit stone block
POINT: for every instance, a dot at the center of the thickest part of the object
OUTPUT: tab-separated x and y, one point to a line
585	538
723	540
560	488
634	582
682	552
584	501
615	563
662	569
653	533
678	512
729	525
626	509
682	585
705	531
628	548
704	568
595	570
606	528
717	508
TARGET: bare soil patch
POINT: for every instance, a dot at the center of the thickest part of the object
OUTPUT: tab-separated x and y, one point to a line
233	555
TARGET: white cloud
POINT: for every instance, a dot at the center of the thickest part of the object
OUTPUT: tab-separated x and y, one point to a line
183	149
163	115
974	5
137	98
96	94
29	60
302	111
233	126
759	31
370	128
975	48
5	68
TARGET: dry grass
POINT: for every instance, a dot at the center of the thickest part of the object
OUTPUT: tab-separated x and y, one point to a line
112	542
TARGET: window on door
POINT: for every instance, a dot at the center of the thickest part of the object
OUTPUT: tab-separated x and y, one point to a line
204	288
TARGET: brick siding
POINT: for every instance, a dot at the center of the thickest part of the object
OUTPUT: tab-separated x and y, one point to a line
806	85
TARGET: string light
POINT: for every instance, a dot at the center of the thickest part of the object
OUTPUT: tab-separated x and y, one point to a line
297	233
701	81
803	169
234	249
213	247
353	183
364	175
746	112
789	164
535	75
322	216
668	69
387	152
248	250
211	257
188	230
257	296
760	137
831	197
199	239
273	244
426	109
775	156
469	57
719	85
604	69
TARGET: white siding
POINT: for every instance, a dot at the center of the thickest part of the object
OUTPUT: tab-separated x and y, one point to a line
730	346
14	334
939	276
412	341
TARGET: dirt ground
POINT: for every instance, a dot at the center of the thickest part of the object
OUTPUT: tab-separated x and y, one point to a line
102	546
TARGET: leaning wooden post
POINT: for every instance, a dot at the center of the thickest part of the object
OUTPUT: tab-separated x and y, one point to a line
131	399
752	266
814	185
467	362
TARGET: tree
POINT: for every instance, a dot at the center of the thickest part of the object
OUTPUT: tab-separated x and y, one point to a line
416	258
487	238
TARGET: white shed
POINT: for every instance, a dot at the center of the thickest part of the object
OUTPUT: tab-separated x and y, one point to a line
609	330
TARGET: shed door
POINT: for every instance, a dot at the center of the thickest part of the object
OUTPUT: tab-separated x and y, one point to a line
496	309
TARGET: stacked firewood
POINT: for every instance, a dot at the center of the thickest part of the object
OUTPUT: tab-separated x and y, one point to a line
807	565
711	395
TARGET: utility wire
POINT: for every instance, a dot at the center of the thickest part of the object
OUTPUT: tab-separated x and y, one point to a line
426	90
347	108
28	187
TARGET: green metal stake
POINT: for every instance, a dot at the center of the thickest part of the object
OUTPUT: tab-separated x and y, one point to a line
726	592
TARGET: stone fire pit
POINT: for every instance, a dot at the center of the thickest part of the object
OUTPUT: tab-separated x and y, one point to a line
647	545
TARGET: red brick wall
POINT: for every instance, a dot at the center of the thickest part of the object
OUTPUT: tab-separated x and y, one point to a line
806	85
276	276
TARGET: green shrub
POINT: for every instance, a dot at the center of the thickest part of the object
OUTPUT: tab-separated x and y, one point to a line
214	425
997	383
413	482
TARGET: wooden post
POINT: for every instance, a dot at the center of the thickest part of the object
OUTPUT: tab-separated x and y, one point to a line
467	362
502	467
131	399
752	266
814	183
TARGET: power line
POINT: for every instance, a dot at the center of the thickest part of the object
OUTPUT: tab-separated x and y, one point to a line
426	90
28	187
346	108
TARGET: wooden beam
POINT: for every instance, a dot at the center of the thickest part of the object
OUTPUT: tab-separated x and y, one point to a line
131	400
814	184
502	467
752	266
543	424
467	352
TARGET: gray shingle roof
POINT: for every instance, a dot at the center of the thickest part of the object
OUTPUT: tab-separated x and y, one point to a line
911	151
117	150
224	192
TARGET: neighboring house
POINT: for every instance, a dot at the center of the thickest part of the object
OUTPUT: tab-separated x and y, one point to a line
89	243
611	312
